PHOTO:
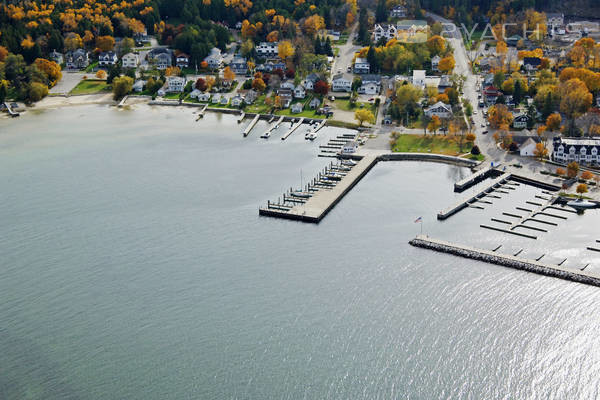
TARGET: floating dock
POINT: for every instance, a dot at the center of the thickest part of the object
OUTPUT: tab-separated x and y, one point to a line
246	131
241	118
465	203
292	129
510	261
322	201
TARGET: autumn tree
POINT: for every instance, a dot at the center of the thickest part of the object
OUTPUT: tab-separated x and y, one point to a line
499	115
587	175
553	122
560	171
501	47
313	24
73	41
37	91
540	151
121	86
285	49
3	53
364	115
50	68
581	189
446	64
200	84
434	124
572	169
101	74
575	100
105	43
436	44
172	71
259	85
321	87
228	74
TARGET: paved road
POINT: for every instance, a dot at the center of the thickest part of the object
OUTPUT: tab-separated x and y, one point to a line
345	55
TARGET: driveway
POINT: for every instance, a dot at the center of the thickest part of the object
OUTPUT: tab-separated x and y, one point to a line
68	81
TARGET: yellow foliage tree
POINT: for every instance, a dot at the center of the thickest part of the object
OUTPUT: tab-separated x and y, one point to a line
228	74
50	68
446	64
285	49
434	124
364	115
105	43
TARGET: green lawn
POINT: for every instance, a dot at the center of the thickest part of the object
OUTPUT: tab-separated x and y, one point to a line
259	106
90	87
307	113
172	96
438	144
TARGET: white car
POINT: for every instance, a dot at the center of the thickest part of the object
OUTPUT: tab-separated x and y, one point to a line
474	112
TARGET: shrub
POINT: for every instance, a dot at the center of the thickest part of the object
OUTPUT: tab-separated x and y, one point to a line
475	150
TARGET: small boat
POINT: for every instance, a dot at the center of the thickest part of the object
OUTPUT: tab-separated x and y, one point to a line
349	162
310	136
300	194
581	204
333	176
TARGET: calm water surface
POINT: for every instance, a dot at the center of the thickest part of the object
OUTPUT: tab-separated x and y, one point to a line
134	265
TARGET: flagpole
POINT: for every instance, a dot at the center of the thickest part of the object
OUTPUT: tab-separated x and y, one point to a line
421	226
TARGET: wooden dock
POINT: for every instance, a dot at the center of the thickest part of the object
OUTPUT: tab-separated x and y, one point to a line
292	129
246	131
241	118
489	256
465	203
270	130
319	204
10	111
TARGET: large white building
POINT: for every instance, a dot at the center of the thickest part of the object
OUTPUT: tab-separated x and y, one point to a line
440	110
175	84
384	31
418	78
580	150
130	60
341	84
267	49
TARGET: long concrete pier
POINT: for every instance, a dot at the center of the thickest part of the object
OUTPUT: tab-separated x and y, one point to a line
473	179
322	201
510	261
246	131
292	129
465	203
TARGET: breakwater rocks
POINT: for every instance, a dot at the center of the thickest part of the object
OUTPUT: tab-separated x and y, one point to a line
506	260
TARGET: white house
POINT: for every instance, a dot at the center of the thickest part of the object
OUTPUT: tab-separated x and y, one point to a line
214	59
57	57
310	80
287	85
77	59
527	148
237	101
267	49
239	65
182	60
435	62
439	109
341	84
580	150
398	12
315	103
175	84
107	58
384	31
555	19
299	92
130	60
138	86
418	78
361	66
520	121
297	108
369	88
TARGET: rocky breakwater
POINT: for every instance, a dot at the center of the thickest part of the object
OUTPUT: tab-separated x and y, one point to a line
506	260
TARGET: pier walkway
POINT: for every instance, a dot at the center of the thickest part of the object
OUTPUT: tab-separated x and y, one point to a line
322	201
510	261
469	181
10	111
292	129
246	131
465	203
271	128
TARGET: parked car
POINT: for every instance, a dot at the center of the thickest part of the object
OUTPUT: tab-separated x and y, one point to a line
484	132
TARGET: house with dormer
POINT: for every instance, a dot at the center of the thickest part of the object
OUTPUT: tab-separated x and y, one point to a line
582	151
439	109
341	84
267	49
384	31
